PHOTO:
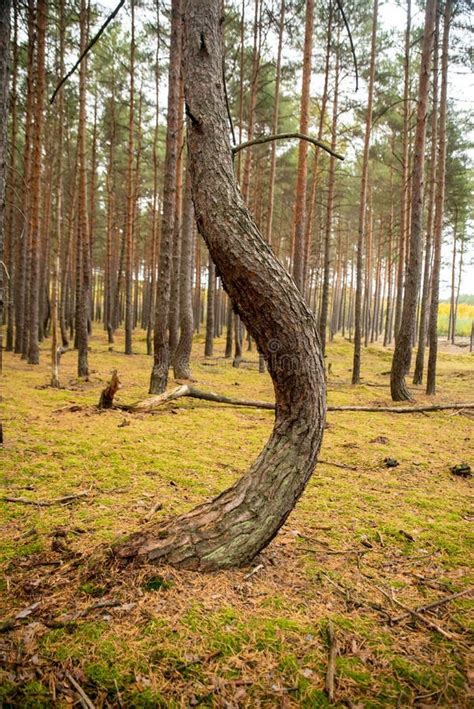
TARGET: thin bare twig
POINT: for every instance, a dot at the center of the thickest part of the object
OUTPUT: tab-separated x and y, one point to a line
94	39
285	136
346	24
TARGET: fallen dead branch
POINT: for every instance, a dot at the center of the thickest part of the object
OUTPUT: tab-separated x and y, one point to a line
183	390
337	465
435	604
66	500
331	668
188	390
404	409
351	597
84	699
415	614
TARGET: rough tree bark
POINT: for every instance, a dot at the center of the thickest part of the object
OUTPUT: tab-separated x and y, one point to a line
404	337
234	527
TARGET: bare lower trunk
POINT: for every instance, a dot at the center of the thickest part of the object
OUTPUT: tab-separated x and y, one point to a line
234	527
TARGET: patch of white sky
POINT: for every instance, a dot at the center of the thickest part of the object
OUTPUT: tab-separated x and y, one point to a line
392	19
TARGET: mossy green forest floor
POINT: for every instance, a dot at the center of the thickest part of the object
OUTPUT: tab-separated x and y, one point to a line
79	629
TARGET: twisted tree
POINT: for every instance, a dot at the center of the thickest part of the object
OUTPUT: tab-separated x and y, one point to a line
231	529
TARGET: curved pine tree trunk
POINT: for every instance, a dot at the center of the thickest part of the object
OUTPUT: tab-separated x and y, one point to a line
231	529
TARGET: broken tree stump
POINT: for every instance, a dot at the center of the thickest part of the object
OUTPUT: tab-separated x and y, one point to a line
106	400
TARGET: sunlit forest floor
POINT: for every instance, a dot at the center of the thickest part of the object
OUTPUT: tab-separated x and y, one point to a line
147	636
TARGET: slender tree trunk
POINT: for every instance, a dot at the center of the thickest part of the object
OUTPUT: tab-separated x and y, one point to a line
363	206
177	235
300	198
210	313
252	100
458	288
425	297
12	215
182	355
129	242
4	80
35	214
155	221
439	206
110	189
310	217
83	246
403	342
159	374
238	341
197	290
55	349
405	201
21	340
233	528
229	331
453	280
323	318
276	109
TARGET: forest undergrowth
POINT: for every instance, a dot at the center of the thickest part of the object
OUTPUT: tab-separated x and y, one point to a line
364	540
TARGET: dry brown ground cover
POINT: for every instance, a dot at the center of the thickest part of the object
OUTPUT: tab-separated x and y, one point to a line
79	629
